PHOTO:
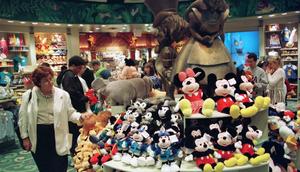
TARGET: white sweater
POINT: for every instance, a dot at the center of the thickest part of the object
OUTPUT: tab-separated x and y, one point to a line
277	87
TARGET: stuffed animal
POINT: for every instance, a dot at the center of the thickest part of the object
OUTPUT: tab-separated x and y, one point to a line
128	72
123	92
133	115
142	104
249	134
224	138
243	89
122	141
165	151
225	102
96	123
92	97
189	83
164	112
203	154
138	149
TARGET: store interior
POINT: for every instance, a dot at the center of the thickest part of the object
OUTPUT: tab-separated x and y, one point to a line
112	33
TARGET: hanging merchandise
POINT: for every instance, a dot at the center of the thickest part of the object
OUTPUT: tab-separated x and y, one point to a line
3	47
6	126
292	39
290	72
286	34
5	78
274	40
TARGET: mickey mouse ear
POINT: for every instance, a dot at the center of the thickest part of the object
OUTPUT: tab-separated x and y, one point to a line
182	76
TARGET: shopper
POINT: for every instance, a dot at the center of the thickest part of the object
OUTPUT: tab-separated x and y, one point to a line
97	68
43	121
149	71
276	78
260	77
70	82
88	75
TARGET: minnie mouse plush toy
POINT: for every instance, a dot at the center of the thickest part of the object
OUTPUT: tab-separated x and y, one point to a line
188	83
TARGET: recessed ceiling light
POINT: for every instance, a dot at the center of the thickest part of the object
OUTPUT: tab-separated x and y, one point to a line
46	24
56	24
272	15
34	23
10	21
259	17
146	25
97	28
91	31
284	14
297	12
22	22
70	25
103	25
81	25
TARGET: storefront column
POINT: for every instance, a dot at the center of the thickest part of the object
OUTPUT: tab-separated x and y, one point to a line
73	42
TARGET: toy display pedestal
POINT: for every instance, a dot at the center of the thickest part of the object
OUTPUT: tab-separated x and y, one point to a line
191	167
117	109
112	165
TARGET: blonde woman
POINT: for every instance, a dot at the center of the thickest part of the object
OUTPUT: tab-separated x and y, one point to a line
276	78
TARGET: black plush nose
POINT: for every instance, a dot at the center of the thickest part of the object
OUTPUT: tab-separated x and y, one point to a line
163	140
188	83
225	86
224	138
205	146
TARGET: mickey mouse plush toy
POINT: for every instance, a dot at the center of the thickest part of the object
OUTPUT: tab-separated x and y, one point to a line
164	112
188	83
249	134
225	142
122	141
223	98
203	153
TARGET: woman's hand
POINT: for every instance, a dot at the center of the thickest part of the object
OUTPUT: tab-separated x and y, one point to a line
27	144
85	115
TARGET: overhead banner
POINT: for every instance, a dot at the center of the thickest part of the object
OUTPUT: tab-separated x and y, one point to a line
86	12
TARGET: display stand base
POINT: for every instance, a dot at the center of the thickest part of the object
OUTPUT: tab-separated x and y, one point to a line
112	165
191	167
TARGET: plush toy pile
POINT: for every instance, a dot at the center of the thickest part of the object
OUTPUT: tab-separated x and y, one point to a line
231	95
153	135
284	138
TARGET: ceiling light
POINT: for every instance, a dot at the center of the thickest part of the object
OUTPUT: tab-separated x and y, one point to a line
22	22
34	23
297	12
259	17
272	15
81	25
46	24
284	14
97	28
10	21
70	25
56	24
103	25
146	25
91	31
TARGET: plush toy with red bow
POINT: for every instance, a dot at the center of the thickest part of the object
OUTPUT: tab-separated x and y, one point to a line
188	82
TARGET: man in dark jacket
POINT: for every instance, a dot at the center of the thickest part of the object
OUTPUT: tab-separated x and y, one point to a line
88	75
70	82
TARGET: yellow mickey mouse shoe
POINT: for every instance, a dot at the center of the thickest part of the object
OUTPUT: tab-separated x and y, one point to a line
208	107
249	112
186	107
234	111
259	102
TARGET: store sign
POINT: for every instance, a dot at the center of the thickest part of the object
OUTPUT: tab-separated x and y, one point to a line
84	12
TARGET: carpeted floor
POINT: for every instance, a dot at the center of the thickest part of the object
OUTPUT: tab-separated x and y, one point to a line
14	159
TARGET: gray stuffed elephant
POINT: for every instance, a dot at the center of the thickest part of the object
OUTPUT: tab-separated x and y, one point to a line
123	92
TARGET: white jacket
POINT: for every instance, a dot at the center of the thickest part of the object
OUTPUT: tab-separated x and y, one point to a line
63	113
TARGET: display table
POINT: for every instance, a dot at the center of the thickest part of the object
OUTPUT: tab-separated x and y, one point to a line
110	166
191	167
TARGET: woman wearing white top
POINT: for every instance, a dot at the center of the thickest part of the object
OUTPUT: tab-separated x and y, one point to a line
276	78
43	120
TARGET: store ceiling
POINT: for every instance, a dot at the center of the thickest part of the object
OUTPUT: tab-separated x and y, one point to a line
119	1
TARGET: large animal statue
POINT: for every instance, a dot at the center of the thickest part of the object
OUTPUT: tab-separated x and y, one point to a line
203	30
123	92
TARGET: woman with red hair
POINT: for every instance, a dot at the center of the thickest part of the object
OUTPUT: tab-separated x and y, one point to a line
43	120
